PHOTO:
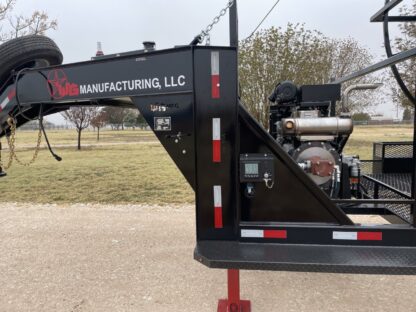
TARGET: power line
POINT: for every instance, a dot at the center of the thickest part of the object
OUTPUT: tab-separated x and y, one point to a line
264	18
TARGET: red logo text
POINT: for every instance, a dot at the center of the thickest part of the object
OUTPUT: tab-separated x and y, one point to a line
59	86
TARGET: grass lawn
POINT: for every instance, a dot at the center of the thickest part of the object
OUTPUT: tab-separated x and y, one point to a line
361	141
124	173
69	137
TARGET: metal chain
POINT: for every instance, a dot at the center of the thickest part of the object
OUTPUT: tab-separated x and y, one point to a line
10	158
205	33
12	150
9	162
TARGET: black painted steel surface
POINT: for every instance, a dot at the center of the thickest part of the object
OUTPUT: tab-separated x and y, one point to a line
307	258
189	97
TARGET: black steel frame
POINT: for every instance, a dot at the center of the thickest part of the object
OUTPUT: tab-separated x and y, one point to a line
383	16
194	110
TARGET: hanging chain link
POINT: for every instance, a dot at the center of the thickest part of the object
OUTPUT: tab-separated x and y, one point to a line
12	149
9	161
205	33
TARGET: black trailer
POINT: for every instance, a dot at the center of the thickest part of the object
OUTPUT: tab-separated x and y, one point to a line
265	200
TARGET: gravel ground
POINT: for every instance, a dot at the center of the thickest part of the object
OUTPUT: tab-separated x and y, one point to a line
139	258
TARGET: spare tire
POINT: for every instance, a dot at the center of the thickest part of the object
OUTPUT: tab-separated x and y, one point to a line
28	51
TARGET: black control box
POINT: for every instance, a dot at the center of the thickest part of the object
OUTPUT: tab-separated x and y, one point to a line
256	167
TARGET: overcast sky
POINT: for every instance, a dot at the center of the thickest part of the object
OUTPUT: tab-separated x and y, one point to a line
123	24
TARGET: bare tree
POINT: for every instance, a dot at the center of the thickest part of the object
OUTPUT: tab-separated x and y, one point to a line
37	24
297	54
407	69
5	7
13	26
349	56
99	121
81	118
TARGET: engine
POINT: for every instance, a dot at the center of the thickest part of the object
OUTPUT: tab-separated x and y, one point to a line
303	122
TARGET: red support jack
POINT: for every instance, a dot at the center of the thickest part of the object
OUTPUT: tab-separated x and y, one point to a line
233	303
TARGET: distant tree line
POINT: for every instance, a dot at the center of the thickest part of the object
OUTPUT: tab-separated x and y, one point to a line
407	116
118	118
34	125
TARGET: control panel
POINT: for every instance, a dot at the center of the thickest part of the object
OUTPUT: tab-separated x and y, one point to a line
257	168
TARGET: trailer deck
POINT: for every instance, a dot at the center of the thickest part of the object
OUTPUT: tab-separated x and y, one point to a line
307	258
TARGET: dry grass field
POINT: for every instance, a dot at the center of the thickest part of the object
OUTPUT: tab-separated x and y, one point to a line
124	167
361	141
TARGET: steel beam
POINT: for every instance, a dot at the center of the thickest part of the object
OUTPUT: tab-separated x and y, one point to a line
374	201
400	19
378	17
399	57
413	190
234	25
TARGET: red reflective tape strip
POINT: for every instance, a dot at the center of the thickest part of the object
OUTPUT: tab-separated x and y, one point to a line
218	207
218	217
11	94
216	140
275	234
215	87
216	151
215	74
370	236
363	236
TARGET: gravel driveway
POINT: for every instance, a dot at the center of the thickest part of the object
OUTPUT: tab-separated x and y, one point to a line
139	258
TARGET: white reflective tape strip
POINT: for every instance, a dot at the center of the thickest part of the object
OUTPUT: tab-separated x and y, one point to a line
345	235
217	196
215	63
216	129
4	103
252	233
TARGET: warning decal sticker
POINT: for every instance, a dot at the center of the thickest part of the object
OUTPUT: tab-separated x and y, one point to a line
162	124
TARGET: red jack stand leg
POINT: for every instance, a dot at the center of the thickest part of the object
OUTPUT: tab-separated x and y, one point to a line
233	303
